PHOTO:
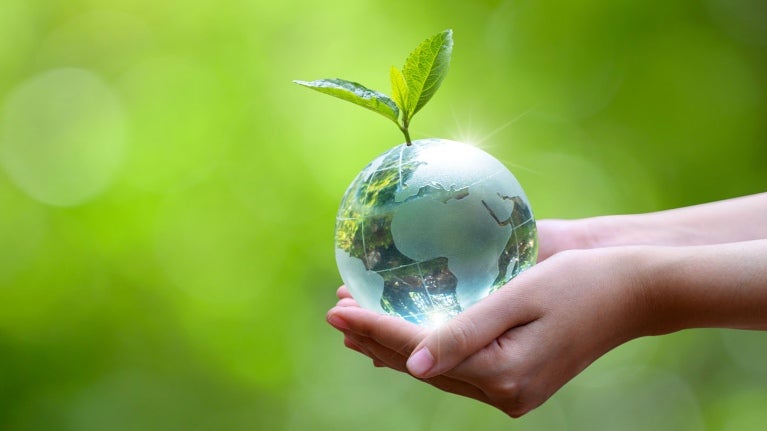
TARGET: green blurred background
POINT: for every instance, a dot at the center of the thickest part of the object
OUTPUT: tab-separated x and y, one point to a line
167	198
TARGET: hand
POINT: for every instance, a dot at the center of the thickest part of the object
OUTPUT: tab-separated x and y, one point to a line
388	341
555	236
517	347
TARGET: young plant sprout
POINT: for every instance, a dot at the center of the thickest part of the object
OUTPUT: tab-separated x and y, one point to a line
412	87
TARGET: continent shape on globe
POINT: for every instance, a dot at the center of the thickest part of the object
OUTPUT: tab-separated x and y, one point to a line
427	230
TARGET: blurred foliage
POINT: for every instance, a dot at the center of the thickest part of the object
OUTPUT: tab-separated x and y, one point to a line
167	198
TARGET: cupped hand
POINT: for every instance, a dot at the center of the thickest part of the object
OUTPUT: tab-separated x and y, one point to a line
388	341
518	346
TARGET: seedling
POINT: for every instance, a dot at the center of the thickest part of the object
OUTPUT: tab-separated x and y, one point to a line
412	87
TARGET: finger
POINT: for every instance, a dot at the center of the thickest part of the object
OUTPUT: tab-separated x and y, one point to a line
348	342
458	387
377	352
347	302
364	346
473	329
383	356
343	292
392	332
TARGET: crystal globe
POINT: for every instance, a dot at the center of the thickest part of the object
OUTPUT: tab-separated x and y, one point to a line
428	229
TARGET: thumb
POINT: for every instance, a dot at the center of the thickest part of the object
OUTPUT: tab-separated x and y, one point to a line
457	339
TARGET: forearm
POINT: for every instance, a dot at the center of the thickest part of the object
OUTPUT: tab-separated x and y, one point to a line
738	219
722	286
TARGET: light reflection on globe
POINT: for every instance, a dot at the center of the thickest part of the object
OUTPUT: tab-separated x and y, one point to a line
429	229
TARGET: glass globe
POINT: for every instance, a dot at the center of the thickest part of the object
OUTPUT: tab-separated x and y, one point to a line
427	230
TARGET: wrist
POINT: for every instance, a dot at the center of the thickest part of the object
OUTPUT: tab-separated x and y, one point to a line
721	285
635	284
656	303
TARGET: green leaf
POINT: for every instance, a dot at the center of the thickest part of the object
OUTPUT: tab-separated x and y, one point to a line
399	89
357	94
425	68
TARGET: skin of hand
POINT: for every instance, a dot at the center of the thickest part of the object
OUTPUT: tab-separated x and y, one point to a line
514	349
587	295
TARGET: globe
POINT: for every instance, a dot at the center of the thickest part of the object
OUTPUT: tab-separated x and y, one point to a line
427	230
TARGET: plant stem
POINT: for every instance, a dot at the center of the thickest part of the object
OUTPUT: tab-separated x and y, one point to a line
405	131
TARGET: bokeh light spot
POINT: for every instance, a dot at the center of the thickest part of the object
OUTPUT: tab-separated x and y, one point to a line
63	136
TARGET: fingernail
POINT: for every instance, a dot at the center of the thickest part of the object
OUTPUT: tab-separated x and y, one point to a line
420	362
338	323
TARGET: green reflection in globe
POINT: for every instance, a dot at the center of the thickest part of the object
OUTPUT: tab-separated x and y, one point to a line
429	229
